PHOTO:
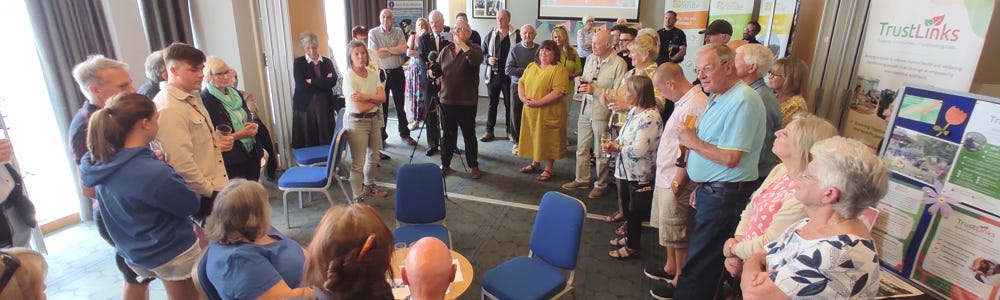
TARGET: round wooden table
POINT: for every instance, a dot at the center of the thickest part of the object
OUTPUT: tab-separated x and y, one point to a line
456	288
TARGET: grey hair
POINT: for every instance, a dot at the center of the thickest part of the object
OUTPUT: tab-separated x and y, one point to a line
527	26
588	18
156	66
430	16
308	37
89	72
722	52
241	211
757	54
852	168
350	47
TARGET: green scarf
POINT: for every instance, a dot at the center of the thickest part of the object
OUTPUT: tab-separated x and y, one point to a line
234	106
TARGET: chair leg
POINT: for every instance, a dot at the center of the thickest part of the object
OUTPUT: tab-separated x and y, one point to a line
300	199
284	200
344	189
329	197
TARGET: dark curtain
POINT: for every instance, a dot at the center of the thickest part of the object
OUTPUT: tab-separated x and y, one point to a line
363	12
66	32
166	22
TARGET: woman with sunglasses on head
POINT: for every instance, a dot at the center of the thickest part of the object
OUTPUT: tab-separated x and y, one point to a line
225	106
349	255
146	206
23	274
788	80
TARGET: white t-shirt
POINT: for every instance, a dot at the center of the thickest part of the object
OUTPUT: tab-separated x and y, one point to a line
364	85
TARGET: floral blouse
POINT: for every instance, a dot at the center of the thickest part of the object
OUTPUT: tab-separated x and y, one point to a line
639	139
836	267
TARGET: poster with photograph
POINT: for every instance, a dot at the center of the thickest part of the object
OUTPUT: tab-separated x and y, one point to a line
692	17
487	9
935	43
960	258
899	214
976	176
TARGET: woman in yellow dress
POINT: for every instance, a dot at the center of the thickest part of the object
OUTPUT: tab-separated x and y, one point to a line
543	119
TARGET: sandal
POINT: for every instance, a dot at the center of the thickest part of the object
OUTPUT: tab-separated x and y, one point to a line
545	176
530	169
622	230
624	253
618	242
617	217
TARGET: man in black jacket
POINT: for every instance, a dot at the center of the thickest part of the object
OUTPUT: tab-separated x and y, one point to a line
18	217
432	41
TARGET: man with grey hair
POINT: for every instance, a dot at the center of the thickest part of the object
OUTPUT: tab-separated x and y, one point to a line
100	78
390	45
432	41
156	71
428	269
520	56
722	160
599	77
496	48
753	61
459	97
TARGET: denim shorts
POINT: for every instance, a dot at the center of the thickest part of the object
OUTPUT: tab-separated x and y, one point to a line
176	269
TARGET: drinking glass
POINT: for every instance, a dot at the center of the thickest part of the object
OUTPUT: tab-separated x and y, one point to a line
224	130
606	138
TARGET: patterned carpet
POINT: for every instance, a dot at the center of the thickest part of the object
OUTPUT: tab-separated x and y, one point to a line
490	221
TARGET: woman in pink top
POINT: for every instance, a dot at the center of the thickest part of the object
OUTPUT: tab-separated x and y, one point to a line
773	206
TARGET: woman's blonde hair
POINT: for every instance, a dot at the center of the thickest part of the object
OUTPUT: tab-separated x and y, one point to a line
422	21
566	49
241	213
28	279
645	44
214	65
110	125
350	252
809	129
796	74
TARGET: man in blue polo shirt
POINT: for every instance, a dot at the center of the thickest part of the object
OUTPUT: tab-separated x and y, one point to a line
723	161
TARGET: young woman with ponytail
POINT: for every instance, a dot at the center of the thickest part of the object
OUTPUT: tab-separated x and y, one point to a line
349	255
145	205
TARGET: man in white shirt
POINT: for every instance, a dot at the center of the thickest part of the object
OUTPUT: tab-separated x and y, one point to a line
389	44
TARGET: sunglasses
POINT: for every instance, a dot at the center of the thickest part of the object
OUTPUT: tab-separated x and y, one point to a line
10	266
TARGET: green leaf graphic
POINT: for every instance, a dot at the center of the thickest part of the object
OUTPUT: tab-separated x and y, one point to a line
929	22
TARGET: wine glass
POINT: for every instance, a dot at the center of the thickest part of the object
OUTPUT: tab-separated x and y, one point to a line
224	130
606	139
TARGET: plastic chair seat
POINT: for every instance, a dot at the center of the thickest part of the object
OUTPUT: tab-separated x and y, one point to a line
311	155
411	233
524	278
303	177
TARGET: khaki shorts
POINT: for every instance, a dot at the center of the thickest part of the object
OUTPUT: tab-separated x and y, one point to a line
176	269
672	216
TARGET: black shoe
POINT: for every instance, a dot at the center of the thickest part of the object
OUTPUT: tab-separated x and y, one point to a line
431	151
662	290
383	156
459	152
656	272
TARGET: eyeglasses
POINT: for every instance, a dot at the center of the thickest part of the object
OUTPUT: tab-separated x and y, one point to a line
772	74
10	265
224	74
708	69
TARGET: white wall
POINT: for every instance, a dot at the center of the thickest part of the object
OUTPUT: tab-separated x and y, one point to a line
128	35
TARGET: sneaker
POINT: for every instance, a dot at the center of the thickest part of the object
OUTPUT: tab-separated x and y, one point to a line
375	191
656	272
597	193
575	185
662	290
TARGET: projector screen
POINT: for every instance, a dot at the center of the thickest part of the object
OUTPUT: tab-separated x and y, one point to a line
606	10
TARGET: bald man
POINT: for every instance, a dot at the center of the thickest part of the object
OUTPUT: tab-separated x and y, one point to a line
428	269
671	212
597	78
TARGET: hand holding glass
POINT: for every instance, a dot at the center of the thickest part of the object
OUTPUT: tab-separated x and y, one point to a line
224	130
605	141
689	122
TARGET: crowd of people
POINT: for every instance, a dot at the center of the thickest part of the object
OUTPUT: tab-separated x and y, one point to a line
738	178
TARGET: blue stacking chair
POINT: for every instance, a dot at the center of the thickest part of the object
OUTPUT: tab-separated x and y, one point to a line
555	243
316	178
420	204
317	155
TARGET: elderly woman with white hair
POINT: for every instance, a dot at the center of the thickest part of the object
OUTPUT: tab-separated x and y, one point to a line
226	107
830	254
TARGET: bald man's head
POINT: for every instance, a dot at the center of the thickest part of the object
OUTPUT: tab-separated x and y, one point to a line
602	43
428	269
670	81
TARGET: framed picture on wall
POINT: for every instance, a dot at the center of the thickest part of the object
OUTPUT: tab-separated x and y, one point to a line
487	9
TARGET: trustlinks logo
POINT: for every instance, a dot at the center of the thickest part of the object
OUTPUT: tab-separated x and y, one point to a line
932	29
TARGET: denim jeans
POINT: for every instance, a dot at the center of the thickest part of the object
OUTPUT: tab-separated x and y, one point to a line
717	214
364	140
